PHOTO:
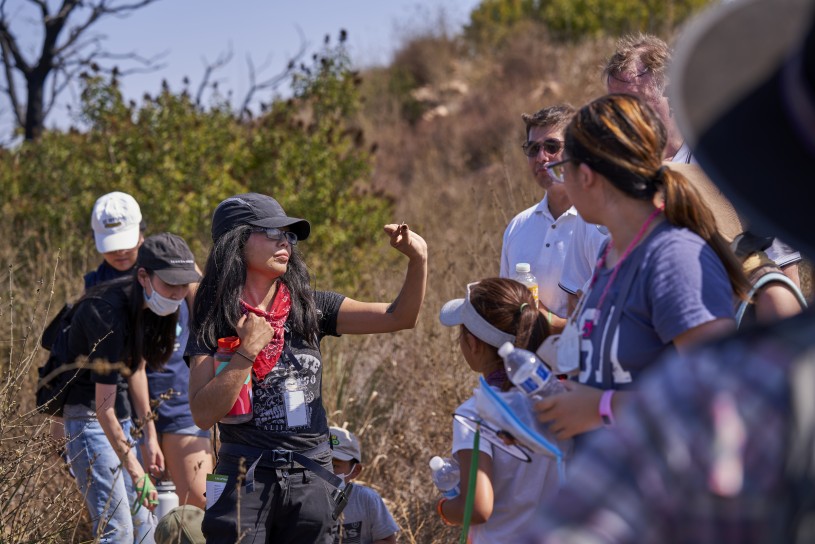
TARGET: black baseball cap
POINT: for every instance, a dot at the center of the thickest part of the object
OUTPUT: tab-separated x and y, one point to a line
256	210
169	257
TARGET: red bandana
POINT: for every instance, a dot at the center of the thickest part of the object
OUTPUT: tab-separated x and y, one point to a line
268	356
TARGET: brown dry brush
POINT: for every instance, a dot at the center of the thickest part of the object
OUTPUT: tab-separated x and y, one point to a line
38	500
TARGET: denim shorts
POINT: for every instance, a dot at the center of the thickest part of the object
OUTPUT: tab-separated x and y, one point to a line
192	430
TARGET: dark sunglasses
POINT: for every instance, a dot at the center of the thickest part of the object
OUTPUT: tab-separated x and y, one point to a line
278	235
552	146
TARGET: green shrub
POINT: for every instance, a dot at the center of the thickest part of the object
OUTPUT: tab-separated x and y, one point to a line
179	161
492	22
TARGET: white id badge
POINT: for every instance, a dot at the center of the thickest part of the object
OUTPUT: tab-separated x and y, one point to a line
296	415
568	349
216	483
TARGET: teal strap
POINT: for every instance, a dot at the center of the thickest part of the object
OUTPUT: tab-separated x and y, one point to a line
470	500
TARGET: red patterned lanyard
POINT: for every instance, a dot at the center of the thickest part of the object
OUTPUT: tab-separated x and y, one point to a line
588	327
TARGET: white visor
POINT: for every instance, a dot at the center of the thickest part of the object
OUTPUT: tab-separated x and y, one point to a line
460	312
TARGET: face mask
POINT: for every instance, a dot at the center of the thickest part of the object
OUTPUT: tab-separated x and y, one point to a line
160	305
347	474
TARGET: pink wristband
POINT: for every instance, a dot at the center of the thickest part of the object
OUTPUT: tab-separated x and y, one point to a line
606	413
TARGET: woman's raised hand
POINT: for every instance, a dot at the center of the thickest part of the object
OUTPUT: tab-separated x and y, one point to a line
406	241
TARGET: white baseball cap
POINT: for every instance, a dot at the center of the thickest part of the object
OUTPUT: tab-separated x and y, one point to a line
344	444
116	221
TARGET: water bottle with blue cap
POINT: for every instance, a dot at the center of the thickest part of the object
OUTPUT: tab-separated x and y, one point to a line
528	373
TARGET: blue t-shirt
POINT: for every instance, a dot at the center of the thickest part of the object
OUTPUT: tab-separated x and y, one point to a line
171	385
679	283
269	427
104	273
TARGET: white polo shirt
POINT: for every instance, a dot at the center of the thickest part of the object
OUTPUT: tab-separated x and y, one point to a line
535	237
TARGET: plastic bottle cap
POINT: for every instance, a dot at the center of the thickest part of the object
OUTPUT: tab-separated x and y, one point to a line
436	463
505	350
165	486
522	267
230	343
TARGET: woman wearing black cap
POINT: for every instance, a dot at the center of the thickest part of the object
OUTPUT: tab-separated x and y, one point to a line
120	327
256	286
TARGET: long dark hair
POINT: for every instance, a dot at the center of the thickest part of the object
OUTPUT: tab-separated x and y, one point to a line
621	137
509	306
149	336
217	302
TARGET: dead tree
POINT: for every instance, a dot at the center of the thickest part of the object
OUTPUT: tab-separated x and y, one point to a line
67	47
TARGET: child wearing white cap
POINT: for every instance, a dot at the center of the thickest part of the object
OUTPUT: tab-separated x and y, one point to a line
366	519
117	226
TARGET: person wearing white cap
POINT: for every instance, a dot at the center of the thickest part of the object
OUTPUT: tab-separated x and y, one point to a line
366	519
718	445
117	225
509	493
118	228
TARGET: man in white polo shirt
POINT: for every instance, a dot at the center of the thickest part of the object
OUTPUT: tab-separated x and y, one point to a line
540	235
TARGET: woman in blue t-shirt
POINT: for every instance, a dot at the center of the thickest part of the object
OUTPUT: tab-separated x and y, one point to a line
256	287
664	281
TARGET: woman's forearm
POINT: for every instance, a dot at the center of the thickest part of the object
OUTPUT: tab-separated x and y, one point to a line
407	304
211	397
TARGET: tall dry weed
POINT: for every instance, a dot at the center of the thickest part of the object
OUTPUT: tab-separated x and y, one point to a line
38	500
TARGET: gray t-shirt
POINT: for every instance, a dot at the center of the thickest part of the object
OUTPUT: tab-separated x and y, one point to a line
365	518
679	283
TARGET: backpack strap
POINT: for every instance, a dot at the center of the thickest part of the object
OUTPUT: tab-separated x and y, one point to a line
769	277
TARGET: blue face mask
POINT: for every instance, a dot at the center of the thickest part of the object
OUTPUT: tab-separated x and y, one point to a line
160	305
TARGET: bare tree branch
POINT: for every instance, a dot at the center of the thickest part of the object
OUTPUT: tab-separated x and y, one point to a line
209	68
11	87
43	8
275	80
10	42
65	48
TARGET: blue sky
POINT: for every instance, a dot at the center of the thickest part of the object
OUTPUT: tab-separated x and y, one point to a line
192	30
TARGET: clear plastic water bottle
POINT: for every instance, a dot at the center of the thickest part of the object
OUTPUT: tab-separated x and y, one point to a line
529	373
241	411
167	499
533	377
524	275
446	475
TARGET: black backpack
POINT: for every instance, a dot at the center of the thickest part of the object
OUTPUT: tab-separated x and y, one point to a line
54	381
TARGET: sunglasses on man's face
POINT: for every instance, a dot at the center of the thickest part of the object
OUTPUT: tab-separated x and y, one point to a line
278	235
552	146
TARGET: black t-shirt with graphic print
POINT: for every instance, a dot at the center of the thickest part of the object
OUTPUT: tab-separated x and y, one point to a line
279	420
